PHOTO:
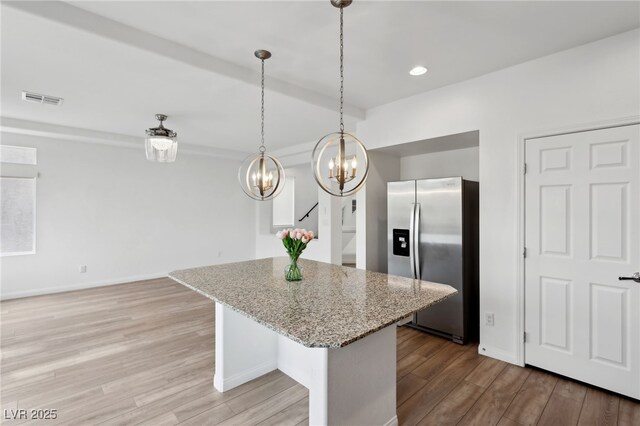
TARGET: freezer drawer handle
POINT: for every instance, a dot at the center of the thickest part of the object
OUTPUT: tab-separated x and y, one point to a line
635	277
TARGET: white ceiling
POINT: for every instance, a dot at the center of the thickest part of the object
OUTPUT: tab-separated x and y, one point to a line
194	60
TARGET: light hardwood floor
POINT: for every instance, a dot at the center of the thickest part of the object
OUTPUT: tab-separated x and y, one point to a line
142	353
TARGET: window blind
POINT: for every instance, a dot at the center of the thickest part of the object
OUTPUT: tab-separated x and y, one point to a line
18	172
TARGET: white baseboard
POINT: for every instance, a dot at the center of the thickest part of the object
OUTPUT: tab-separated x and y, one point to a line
492	352
243	377
392	422
62	289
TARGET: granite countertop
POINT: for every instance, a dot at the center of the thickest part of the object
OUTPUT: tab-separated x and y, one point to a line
331	307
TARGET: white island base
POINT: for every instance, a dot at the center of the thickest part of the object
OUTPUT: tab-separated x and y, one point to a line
351	385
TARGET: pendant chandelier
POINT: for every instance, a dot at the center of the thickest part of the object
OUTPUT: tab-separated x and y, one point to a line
340	161
261	175
161	144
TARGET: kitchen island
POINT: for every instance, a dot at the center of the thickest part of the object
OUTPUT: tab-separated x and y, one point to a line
334	332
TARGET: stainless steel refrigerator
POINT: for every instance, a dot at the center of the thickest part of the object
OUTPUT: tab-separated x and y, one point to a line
433	236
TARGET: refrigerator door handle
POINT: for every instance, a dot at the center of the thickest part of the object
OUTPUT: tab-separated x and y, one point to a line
412	246
416	241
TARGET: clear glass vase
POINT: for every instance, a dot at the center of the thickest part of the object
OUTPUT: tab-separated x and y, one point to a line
293	271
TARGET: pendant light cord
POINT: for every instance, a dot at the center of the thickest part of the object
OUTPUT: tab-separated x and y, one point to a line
262	147
341	70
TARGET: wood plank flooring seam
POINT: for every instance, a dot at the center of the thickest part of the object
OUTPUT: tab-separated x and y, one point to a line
452	390
428	380
545	404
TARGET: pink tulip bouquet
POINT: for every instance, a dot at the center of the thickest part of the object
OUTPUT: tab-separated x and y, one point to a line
294	241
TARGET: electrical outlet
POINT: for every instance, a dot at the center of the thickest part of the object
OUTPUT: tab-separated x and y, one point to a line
82	269
488	319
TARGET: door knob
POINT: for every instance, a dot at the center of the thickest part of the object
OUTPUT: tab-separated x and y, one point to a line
635	277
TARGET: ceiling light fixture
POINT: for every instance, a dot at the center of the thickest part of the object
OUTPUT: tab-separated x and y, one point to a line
419	70
261	175
336	156
161	144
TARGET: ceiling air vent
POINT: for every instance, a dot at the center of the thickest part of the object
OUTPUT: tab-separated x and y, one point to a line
41	99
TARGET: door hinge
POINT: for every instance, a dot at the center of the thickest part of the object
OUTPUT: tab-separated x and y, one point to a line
524	253
524	337
525	169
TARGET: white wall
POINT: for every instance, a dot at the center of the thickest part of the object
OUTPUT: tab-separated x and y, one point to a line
371	222
459	162
126	218
594	82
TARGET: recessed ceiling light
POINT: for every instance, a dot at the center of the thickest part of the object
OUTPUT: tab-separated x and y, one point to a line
419	70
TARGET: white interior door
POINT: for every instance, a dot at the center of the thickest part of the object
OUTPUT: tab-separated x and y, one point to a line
582	233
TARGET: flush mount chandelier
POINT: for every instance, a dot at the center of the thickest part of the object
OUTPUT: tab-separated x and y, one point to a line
161	144
336	156
261	175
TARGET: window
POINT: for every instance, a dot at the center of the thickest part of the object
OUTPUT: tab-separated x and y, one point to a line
17	200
